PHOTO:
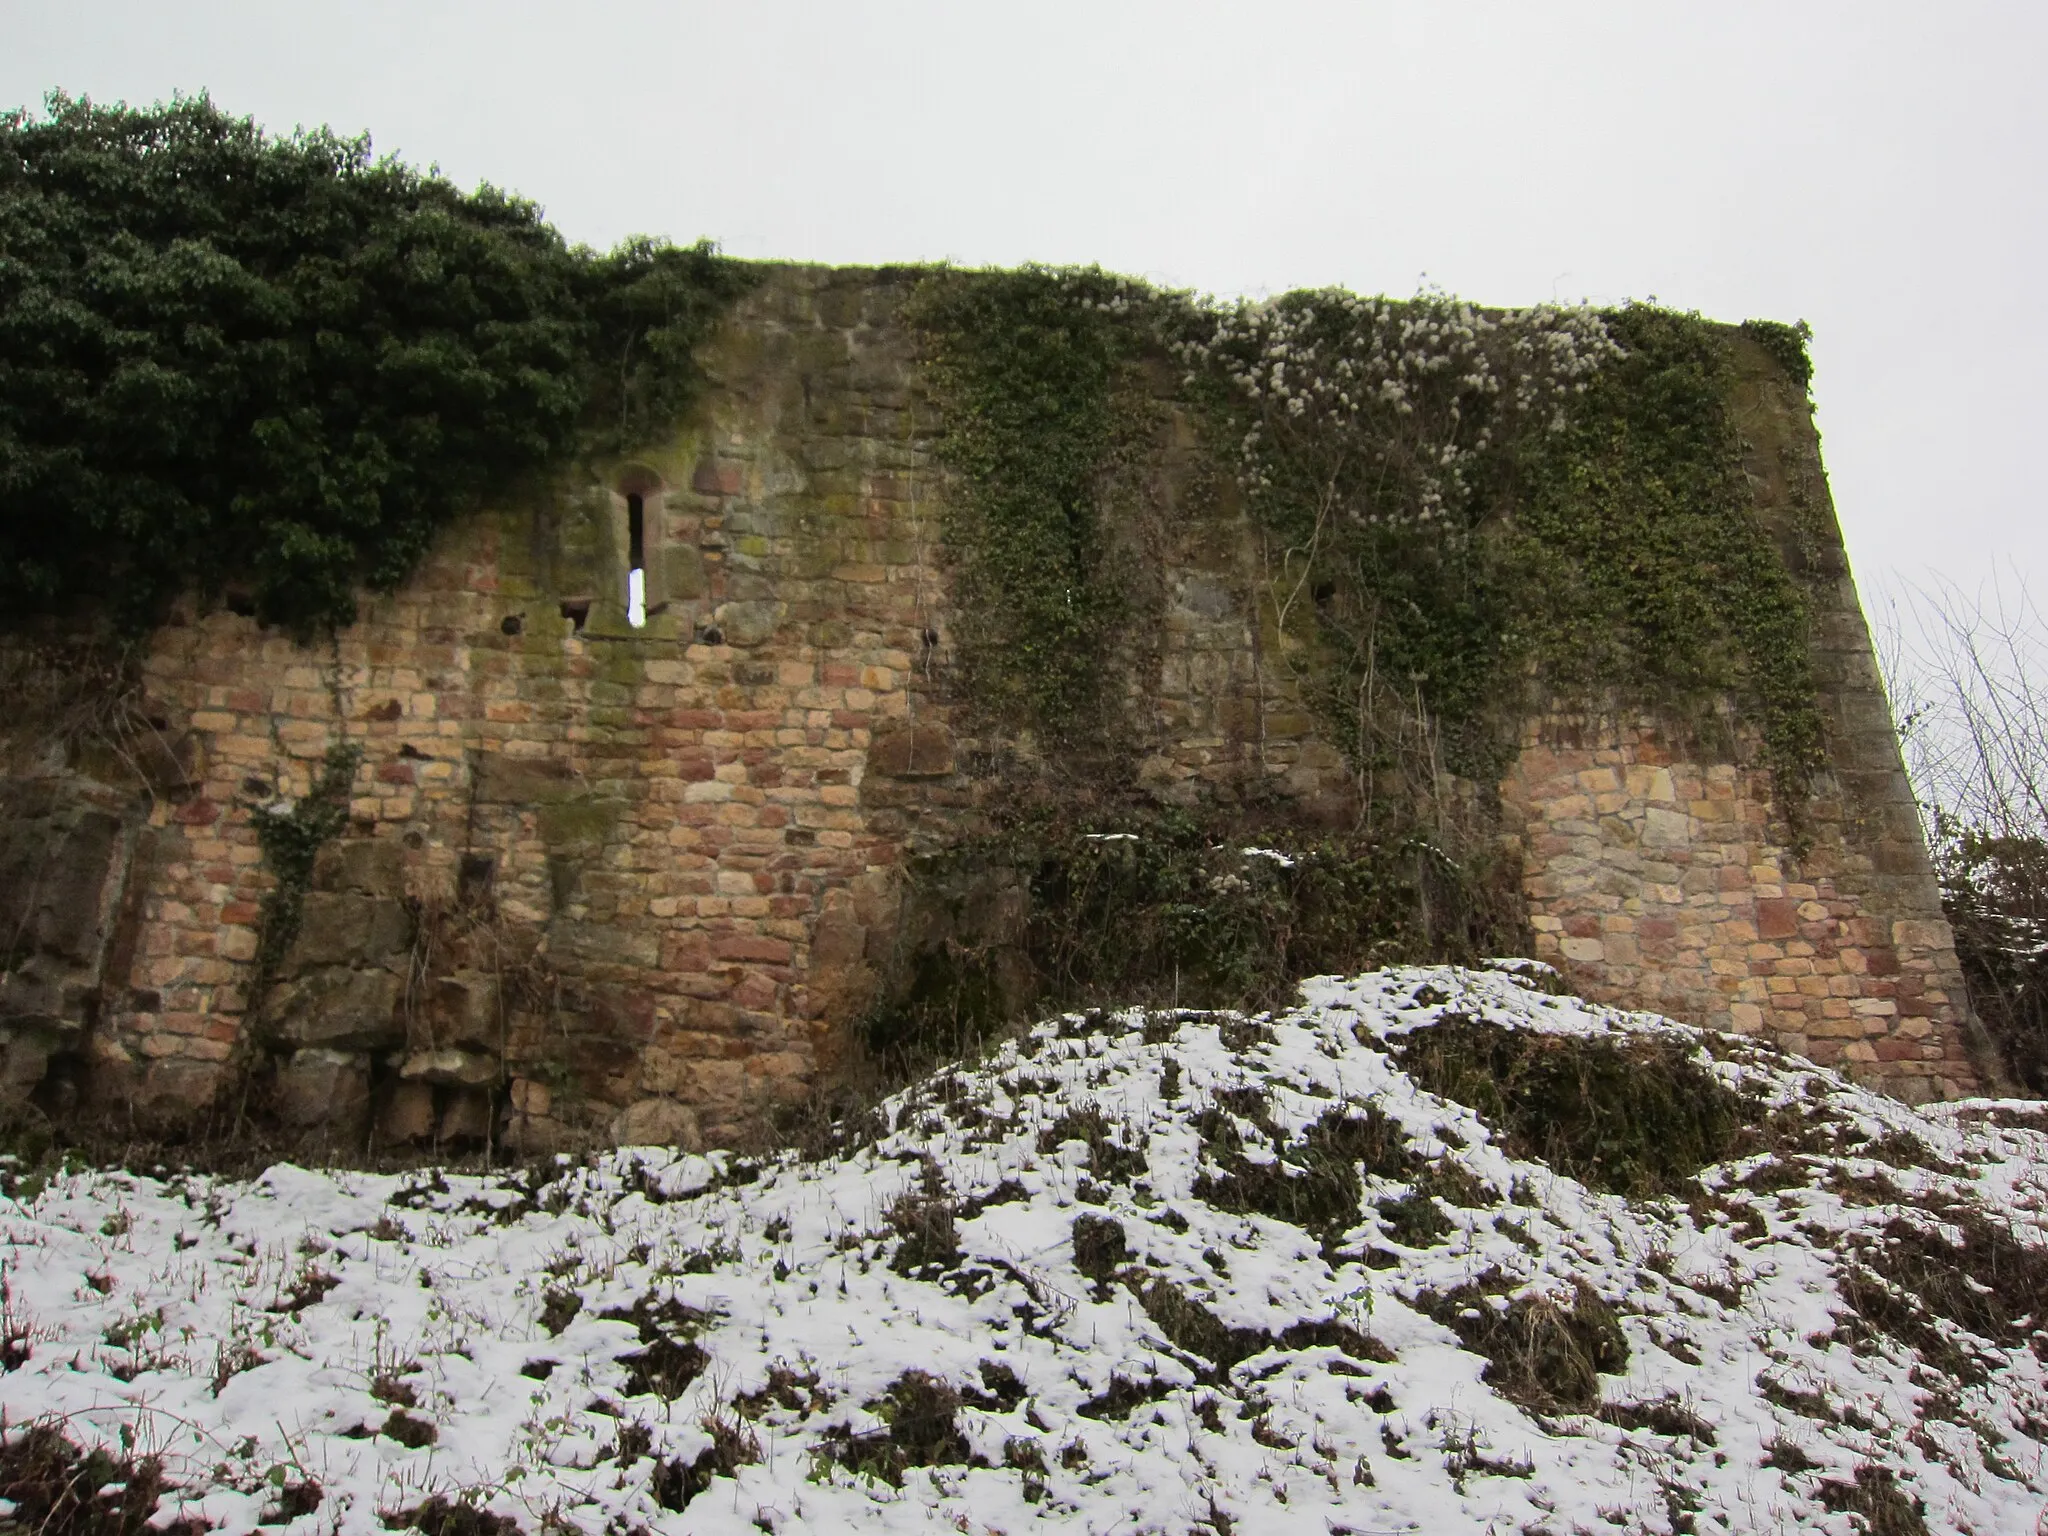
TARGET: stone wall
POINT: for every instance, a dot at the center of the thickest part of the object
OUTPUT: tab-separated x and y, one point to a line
603	881
1678	885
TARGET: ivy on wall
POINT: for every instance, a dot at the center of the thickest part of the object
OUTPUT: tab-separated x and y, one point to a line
1466	511
291	836
232	358
1465	515
1033	371
1648	571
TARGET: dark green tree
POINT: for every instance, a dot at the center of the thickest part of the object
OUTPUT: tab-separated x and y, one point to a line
232	357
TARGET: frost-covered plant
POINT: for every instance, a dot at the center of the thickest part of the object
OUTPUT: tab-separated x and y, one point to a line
1385	411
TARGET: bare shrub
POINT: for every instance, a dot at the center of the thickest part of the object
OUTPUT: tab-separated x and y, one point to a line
1969	693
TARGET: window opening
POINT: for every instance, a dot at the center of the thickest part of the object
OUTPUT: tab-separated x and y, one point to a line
636	561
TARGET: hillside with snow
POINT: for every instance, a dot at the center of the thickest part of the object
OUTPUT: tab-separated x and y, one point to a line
1435	1251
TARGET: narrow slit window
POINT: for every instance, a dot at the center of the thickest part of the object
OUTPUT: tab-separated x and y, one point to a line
636	561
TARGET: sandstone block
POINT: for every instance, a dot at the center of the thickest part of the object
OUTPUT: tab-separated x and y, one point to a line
466	1069
342	928
371	866
408	1114
338	1008
466	1117
1665	828
657	1123
499	779
325	1090
923	751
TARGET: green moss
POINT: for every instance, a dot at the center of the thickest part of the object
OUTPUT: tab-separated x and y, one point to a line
577	823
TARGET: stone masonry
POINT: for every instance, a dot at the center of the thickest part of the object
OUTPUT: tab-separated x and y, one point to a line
608	882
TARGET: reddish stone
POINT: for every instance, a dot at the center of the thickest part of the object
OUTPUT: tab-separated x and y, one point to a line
1777	917
197	813
751	947
396	773
713	478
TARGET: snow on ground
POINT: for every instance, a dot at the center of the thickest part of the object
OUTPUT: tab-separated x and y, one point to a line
1161	1272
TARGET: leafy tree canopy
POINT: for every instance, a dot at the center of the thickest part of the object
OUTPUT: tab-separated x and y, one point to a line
229	356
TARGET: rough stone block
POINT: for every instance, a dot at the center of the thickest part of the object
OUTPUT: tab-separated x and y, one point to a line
499	779
339	1008
325	1090
408	1114
343	928
370	866
657	1123
464	1069
922	751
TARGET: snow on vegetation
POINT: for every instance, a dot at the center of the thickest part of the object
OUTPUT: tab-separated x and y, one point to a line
1436	1251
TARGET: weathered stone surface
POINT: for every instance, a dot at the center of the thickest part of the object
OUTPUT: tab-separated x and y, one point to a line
407	1115
467	1069
169	764
463	1010
529	1097
174	1086
338	1008
25	1052
657	1123
369	866
662	865
606	943
912	752
500	779
325	1090
466	1117
63	855
748	623
343	928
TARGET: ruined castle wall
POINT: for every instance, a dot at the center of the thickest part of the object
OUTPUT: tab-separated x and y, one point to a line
1678	885
600	881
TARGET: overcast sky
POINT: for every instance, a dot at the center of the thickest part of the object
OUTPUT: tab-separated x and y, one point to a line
1875	168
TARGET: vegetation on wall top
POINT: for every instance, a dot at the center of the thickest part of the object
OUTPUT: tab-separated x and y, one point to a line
226	356
1451	500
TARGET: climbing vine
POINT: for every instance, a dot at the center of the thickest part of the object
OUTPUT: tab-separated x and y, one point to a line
1786	345
1035	372
291	835
1463	516
1465	511
1647	572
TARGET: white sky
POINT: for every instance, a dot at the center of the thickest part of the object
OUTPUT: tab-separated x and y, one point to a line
1876	168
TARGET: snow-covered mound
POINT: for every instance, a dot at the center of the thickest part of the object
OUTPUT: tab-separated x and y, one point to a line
1436	1251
